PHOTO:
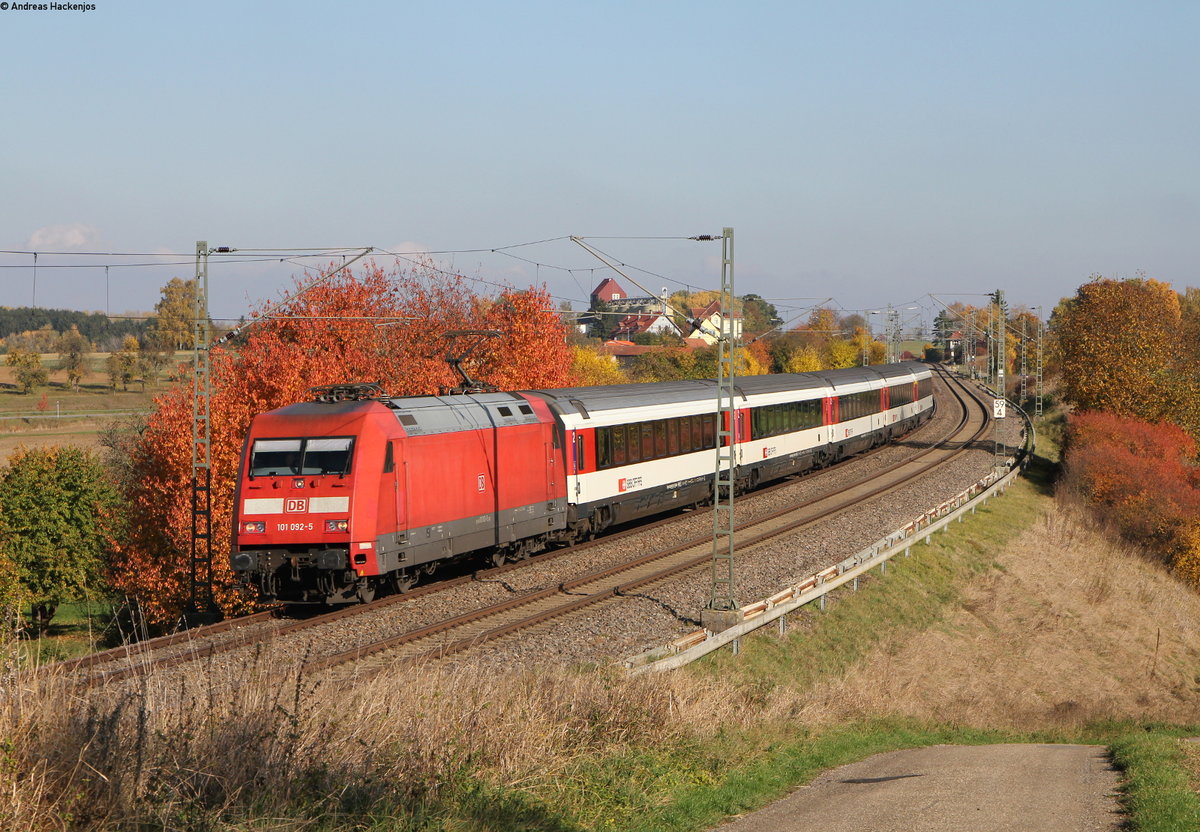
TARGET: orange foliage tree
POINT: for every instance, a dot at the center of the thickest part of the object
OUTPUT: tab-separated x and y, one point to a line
1143	478
378	326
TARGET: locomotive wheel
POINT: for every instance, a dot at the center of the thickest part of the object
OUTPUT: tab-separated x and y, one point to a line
366	591
403	582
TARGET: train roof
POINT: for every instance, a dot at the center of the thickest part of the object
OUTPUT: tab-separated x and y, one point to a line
584	400
423	415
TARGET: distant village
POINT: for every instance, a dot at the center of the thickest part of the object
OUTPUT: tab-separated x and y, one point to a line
632	326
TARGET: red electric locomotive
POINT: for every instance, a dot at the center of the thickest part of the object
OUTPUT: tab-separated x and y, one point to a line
338	499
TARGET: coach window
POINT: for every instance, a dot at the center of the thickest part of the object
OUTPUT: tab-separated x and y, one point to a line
647	432
709	424
579	460
619	456
660	439
603	447
673	437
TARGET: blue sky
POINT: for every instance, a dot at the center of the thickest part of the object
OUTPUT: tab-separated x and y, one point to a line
872	152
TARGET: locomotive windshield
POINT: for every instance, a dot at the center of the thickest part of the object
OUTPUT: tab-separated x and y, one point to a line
288	457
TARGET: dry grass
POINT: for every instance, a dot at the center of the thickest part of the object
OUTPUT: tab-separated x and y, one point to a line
1068	630
1073	629
179	748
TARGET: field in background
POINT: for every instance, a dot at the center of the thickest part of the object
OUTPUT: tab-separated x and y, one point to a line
23	423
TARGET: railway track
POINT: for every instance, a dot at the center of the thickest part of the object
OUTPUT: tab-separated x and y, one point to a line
462	632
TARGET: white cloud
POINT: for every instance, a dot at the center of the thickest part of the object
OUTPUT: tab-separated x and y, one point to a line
409	247
75	235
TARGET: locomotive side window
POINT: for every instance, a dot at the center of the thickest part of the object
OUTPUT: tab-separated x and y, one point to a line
275	457
327	456
389	460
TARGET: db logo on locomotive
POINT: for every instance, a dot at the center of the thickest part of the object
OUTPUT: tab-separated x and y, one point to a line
295	505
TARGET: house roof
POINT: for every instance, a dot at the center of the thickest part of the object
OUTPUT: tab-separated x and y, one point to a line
706	312
634	324
607	287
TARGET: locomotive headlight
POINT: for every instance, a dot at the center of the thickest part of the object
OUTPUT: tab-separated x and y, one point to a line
337	525
254	527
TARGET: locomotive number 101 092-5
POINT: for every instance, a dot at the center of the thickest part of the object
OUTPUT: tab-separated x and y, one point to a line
294	527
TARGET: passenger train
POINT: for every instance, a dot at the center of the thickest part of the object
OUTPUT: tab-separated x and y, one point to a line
359	492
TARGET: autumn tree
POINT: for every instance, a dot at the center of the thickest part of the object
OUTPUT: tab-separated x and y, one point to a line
27	369
1117	343
589	367
1142	477
57	516
72	348
755	358
174	315
665	365
841	353
534	351
804	359
124	366
371	325
39	340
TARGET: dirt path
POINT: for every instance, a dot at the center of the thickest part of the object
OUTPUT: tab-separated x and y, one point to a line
945	788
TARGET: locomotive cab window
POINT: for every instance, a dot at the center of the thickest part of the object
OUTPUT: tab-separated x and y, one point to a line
291	457
275	457
327	456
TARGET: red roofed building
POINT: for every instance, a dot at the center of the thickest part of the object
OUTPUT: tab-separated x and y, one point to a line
608	291
708	323
632	325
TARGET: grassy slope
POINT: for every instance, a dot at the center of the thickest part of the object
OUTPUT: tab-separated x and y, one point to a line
1020	624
